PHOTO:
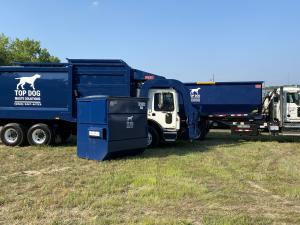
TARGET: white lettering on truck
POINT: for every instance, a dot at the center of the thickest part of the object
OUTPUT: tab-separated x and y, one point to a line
26	93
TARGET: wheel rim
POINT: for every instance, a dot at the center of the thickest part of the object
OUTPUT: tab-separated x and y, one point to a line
150	138
39	136
11	135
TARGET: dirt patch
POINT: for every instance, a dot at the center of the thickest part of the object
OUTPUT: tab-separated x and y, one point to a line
274	196
31	173
256	186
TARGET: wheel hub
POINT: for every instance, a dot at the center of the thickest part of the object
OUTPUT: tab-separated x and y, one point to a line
39	136
11	135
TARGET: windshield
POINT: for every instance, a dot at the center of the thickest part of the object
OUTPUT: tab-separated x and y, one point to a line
292	98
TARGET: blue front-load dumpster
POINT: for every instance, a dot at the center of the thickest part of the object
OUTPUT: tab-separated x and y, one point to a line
111	126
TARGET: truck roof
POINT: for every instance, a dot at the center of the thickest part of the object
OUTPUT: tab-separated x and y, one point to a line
225	82
137	75
85	62
290	89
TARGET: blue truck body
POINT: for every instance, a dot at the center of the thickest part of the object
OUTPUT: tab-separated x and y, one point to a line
40	100
49	91
226	98
50	97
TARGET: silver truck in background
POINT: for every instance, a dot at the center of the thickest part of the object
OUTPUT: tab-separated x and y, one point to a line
280	114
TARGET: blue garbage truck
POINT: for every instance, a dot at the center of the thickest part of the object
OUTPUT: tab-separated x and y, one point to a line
38	101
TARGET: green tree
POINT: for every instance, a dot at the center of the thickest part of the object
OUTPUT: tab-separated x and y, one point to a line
26	50
4	52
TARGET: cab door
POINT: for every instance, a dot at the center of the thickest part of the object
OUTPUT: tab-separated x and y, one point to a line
163	107
292	107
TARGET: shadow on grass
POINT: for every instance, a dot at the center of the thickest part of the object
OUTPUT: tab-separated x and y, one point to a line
214	139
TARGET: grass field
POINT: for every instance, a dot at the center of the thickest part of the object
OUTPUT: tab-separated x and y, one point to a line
223	180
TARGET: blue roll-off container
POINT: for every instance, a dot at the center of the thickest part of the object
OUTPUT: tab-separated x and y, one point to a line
111	126
226	98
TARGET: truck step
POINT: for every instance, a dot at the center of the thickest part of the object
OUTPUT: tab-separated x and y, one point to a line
170	136
290	134
291	129
291	125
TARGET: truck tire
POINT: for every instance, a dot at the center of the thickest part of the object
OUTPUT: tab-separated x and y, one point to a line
203	129
13	134
40	134
153	137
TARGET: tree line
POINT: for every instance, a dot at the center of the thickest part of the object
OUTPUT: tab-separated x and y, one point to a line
26	50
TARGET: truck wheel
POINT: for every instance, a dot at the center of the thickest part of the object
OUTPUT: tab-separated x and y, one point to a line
40	134
153	137
203	130
207	130
13	134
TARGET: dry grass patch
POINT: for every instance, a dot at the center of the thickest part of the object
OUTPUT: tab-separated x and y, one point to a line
223	180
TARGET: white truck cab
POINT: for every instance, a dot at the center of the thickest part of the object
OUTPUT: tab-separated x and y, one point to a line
292	104
163	109
289	110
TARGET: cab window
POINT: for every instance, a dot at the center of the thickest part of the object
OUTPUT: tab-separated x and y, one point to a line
163	102
292	98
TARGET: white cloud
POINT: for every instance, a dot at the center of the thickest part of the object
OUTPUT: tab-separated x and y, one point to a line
95	3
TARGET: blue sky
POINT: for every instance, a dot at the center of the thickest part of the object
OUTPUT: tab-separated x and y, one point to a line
190	40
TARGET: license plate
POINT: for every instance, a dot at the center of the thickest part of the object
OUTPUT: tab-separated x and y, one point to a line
244	126
274	128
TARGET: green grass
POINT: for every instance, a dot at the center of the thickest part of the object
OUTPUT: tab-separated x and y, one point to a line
222	180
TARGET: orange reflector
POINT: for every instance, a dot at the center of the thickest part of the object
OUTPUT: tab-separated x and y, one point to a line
206	83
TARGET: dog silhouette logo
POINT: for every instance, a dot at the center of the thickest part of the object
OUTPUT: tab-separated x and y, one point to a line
27	80
129	123
130	118
195	91
195	95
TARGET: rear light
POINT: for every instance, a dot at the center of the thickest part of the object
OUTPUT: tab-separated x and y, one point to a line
149	77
